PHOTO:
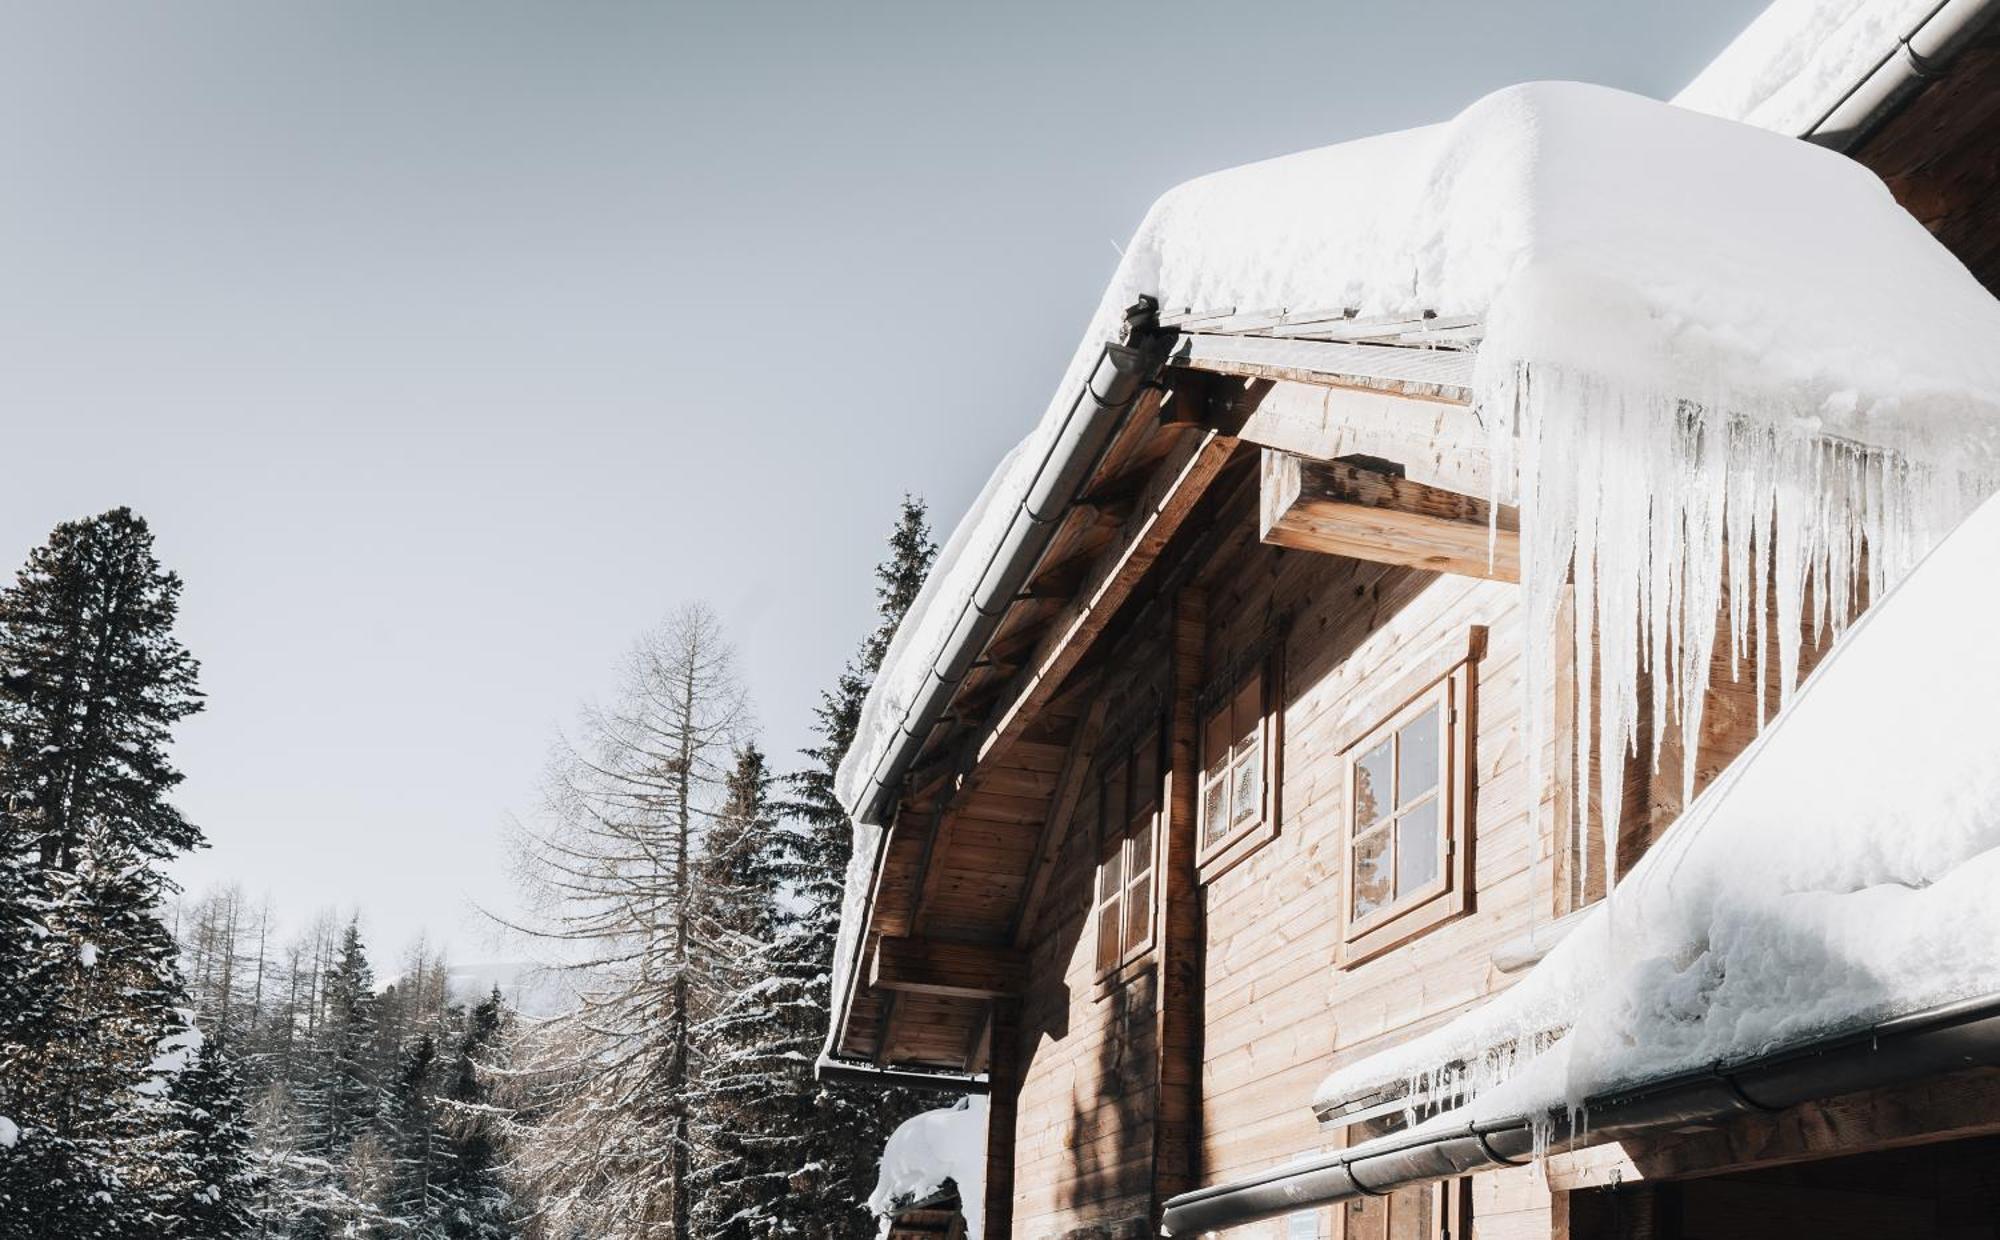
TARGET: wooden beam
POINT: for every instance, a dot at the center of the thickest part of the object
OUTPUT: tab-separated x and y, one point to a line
960	970
1003	1072
1444	372
1177	1026
1341	508
1437	442
1180	480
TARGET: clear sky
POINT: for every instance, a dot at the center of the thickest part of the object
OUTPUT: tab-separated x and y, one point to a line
448	345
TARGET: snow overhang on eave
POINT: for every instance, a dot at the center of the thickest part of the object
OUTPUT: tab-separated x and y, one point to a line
1925	1044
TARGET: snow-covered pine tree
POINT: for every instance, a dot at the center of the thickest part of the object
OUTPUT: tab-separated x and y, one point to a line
348	1087
828	1140
416	1149
93	1027
327	1172
208	1096
612	870
92	680
738	899
475	1203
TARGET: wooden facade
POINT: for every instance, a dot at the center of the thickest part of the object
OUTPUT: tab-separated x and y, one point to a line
1300	504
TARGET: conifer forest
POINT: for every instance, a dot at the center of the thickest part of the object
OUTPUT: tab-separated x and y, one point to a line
202	1065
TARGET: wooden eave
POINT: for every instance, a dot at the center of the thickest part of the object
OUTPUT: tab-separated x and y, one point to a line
986	805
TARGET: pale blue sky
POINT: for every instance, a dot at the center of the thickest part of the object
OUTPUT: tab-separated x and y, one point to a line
448	345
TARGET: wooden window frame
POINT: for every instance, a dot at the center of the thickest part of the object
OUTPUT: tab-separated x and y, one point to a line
1444	680
1214	857
1124	762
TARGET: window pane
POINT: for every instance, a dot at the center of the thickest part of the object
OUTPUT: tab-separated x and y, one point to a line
1419	741
1142	851
1372	787
1108	876
1417	848
1215	743
1249	785
1249	707
1214	813
1371	873
1146	773
1138	907
1107	935
1114	802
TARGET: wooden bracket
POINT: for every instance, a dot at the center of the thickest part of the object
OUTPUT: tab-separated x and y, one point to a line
1345	508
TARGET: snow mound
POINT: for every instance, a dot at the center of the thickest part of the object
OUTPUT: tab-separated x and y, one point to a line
928	1149
1799	58
10	1133
1845	871
1669	298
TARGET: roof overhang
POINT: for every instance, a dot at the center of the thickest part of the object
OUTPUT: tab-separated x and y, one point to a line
1318	384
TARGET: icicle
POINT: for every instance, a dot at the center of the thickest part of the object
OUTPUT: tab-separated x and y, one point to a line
1661	510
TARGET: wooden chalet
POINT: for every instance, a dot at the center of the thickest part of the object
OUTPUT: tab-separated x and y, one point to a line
1233	789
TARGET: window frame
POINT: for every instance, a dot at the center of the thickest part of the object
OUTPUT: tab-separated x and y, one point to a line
1213	857
1125	762
1443	680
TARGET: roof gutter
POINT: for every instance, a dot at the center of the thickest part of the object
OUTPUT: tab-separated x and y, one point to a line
1095	413
1892	1052
1917	58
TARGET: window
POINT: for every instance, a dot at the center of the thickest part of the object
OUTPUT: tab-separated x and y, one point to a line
1237	793
1407	801
1128	812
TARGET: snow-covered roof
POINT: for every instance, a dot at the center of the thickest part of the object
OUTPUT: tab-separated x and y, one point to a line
1638	260
1799	58
1845	871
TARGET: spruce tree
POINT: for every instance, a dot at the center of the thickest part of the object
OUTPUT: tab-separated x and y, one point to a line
411	1137
93	1027
475	1204
348	1084
735	1175
840	1132
92	680
208	1095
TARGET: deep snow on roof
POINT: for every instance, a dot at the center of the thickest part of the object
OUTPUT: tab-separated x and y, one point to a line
1845	871
1630	253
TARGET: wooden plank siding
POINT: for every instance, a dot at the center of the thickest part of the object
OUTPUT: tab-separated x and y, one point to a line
1094	1150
